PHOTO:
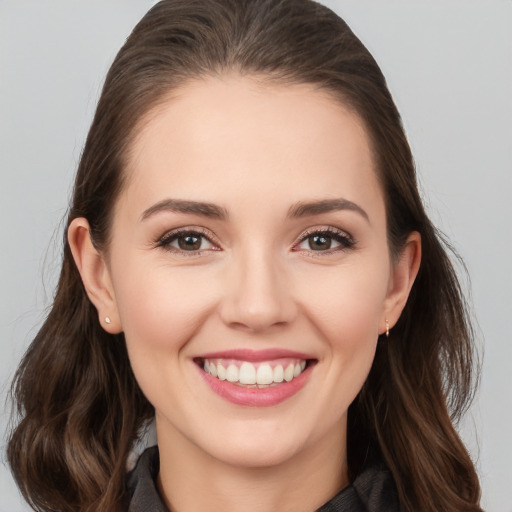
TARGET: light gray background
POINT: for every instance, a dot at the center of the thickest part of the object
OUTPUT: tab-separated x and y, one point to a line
449	67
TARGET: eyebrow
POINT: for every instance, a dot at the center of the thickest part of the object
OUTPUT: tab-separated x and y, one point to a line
303	209
185	206
300	209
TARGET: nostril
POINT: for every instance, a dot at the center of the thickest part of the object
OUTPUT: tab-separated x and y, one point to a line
259	300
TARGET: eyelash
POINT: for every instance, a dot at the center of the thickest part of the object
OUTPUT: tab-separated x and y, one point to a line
341	237
344	240
166	241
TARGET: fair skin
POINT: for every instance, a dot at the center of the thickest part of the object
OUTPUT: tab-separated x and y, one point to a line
286	263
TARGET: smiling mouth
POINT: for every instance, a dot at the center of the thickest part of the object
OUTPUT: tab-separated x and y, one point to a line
262	374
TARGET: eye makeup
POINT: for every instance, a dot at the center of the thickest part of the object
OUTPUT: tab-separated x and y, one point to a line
188	241
194	240
322	240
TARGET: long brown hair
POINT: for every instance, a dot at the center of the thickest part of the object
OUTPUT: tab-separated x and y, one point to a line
78	404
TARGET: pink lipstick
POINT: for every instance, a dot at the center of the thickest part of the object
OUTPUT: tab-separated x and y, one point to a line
255	378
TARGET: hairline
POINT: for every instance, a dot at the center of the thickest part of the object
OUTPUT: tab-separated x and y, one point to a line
277	79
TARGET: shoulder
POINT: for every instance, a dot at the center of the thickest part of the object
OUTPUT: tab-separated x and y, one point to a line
373	490
141	493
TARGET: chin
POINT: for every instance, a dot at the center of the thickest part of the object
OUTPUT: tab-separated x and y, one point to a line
258	455
259	445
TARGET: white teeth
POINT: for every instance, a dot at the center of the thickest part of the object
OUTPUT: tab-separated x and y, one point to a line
221	372
232	373
279	373
265	375
288	373
248	374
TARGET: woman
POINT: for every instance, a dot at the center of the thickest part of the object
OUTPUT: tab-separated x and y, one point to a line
248	263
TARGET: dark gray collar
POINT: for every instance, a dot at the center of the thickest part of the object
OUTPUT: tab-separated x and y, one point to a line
372	491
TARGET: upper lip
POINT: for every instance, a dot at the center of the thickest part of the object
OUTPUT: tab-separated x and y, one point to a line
256	355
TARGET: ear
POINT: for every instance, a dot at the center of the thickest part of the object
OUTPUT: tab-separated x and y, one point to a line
95	274
403	274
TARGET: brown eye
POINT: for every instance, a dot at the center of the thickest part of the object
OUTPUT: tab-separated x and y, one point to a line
190	242
319	242
186	241
328	241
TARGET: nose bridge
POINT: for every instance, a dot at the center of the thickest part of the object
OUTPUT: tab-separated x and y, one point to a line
259	294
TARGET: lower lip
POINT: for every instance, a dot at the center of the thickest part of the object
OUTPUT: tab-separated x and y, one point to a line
256	397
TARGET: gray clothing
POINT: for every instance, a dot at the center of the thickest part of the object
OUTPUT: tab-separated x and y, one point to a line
373	490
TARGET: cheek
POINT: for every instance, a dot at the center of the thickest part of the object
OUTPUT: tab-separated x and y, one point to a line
346	303
160	310
346	307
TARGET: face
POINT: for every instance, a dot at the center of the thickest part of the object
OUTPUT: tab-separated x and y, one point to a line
250	270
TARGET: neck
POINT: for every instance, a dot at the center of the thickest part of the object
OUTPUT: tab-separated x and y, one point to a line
192	480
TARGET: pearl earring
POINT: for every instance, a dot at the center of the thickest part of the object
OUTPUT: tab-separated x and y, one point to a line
107	320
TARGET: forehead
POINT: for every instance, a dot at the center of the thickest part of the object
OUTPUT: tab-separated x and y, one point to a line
218	133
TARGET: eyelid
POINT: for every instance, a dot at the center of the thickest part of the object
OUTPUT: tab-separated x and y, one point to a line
345	240
169	236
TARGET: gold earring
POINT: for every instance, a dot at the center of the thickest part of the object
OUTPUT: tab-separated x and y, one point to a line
387	328
107	320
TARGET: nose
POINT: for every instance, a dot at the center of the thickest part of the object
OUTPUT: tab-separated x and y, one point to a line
258	295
